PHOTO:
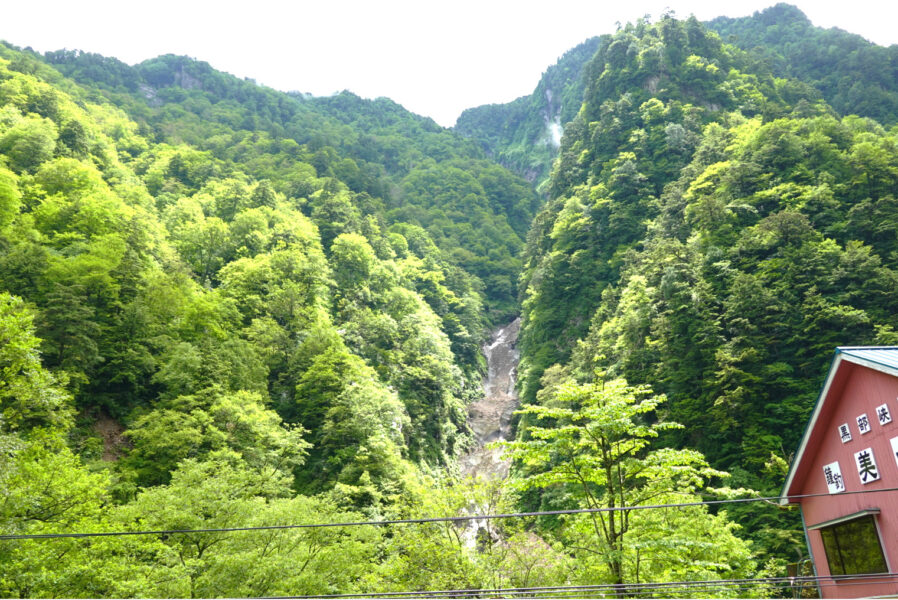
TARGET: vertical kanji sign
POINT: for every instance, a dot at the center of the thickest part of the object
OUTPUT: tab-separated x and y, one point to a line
844	433
883	414
863	424
834	481
866	466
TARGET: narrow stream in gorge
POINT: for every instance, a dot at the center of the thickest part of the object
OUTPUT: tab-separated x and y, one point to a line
490	420
490	417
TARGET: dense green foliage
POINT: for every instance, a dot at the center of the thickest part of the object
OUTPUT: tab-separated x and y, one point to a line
592	442
204	308
226	306
855	76
713	231
216	312
375	148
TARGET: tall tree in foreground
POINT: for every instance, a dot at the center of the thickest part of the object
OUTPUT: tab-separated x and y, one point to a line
594	451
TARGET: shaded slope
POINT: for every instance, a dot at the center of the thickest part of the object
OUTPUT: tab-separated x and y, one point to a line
689	189
855	76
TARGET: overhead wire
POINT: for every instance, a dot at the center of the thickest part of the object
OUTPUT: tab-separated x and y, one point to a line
631	589
423	520
570	592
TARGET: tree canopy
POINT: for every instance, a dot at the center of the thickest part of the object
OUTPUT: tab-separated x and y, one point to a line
226	306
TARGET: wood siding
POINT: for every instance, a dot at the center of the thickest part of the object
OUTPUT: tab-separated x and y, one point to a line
863	391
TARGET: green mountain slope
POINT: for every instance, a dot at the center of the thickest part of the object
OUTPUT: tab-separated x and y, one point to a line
206	323
853	75
699	238
856	77
524	135
376	148
167	279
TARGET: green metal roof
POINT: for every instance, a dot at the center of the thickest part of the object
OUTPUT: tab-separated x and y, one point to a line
886	356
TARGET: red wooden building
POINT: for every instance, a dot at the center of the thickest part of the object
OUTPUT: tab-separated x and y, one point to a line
845	475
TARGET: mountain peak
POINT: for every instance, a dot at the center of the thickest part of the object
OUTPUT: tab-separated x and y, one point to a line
782	14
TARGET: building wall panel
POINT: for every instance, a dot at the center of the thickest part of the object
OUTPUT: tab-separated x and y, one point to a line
865	390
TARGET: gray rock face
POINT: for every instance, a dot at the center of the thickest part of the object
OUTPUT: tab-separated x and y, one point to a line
490	417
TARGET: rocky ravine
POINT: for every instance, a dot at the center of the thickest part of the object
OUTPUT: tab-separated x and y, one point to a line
490	417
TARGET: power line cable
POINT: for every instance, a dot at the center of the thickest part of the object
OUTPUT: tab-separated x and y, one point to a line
573	511
631	589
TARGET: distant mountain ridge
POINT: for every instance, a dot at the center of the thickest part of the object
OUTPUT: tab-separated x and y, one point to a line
854	76
524	135
376	147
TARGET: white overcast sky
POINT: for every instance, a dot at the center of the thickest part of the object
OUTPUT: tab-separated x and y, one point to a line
436	58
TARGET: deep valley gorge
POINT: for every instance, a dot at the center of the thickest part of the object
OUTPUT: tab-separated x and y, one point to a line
234	318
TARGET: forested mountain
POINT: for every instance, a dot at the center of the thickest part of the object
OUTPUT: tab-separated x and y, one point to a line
403	162
223	306
713	231
212	288
170	288
524	135
855	76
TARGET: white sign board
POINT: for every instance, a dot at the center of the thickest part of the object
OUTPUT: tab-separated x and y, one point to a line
844	433
866	466
833	474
